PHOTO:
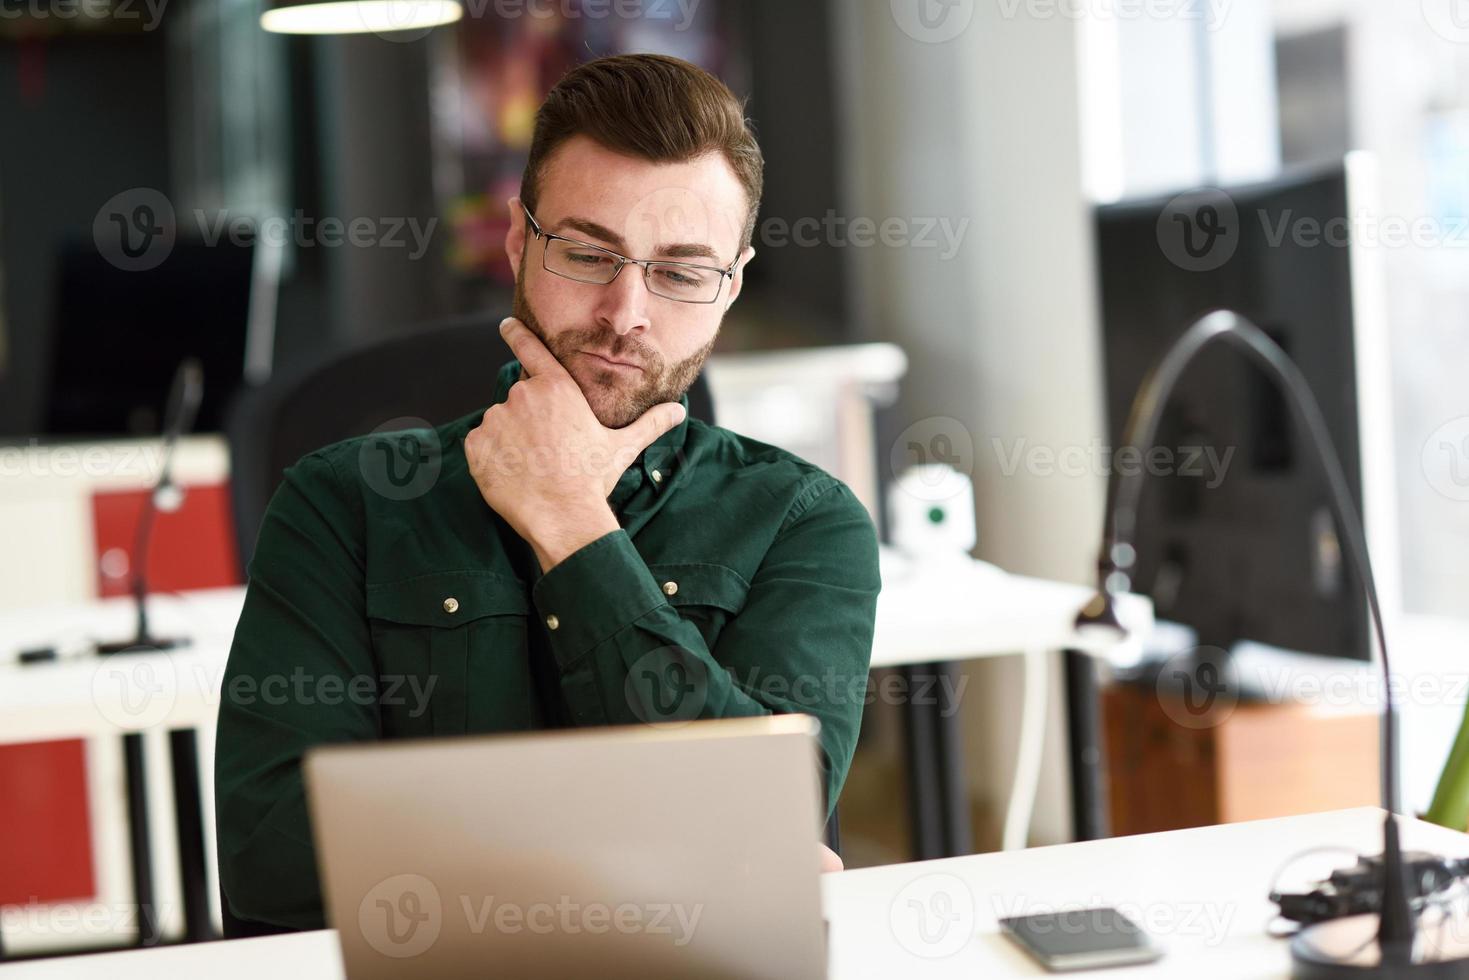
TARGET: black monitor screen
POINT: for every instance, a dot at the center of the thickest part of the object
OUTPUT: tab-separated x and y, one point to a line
1234	536
118	335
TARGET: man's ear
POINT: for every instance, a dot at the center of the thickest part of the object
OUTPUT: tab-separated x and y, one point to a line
515	236
738	282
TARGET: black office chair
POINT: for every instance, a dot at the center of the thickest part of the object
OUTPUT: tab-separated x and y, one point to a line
438	372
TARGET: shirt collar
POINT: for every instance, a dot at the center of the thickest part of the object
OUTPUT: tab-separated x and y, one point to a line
662	455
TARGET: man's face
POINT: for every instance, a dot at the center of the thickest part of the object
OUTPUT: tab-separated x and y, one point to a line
686	212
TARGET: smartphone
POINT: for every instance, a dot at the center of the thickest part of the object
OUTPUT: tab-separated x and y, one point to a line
1081	939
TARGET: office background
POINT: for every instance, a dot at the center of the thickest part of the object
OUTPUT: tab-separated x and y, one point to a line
986	144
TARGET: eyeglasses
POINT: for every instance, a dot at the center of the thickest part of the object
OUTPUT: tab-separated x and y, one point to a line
581	262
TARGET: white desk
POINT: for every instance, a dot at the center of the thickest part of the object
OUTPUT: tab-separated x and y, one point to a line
101	699
89	697
1201	893
926	614
940	611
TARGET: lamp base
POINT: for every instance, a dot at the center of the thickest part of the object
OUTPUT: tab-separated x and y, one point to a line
147	644
1348	948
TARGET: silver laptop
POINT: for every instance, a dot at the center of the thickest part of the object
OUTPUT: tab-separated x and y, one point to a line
639	852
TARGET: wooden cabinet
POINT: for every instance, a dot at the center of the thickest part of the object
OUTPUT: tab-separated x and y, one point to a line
1259	760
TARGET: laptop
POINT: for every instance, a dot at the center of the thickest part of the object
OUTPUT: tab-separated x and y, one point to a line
643	852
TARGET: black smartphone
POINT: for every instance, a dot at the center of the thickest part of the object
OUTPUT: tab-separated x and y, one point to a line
1081	939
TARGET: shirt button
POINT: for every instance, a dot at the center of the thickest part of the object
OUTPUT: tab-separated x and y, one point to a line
552	622
657	476
669	588
451	605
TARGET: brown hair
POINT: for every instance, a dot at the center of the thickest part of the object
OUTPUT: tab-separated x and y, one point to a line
652	107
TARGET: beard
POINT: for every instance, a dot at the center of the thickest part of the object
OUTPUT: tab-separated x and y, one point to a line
615	397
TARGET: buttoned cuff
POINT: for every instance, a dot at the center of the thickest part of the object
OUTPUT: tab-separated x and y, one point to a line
594	593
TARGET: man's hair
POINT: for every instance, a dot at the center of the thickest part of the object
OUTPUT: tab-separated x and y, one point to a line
652	107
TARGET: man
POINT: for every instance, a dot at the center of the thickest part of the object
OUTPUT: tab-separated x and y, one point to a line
587	554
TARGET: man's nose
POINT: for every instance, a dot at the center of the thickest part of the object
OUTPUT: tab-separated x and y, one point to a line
623	305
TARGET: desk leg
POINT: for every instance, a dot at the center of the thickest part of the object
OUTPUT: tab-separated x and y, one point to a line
188	806
937	796
958	831
139	842
1084	731
923	791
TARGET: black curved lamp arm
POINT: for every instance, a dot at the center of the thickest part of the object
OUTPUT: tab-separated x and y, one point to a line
1125	490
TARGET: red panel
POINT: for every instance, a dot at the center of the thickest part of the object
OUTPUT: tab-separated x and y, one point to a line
192	548
46	846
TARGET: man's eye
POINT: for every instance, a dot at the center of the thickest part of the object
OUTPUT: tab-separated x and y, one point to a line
588	259
682	278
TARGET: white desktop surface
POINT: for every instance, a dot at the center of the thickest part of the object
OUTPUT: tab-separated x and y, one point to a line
1201	893
940	610
89	696
926	612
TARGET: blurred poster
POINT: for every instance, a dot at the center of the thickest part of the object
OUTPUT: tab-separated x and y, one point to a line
494	69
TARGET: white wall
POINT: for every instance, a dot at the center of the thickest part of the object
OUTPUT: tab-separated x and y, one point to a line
1183	98
1002	337
1408	70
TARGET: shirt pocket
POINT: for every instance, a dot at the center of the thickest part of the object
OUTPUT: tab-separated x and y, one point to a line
706	594
438	638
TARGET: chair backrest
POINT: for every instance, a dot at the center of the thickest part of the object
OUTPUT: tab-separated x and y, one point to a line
433	373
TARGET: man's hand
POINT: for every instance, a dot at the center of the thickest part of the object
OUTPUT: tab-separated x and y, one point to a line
545	463
830	860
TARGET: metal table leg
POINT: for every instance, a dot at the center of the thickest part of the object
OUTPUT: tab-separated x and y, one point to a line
1084	725
189	818
937	791
140	844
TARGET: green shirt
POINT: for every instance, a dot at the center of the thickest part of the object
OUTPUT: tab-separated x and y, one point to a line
386	599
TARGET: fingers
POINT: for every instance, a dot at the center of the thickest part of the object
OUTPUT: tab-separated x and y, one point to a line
472	440
529	351
639	434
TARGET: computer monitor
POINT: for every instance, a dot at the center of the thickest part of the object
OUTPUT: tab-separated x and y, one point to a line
118	335
1240	545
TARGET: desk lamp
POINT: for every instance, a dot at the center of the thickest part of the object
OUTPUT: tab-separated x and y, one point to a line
165	495
1388	943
